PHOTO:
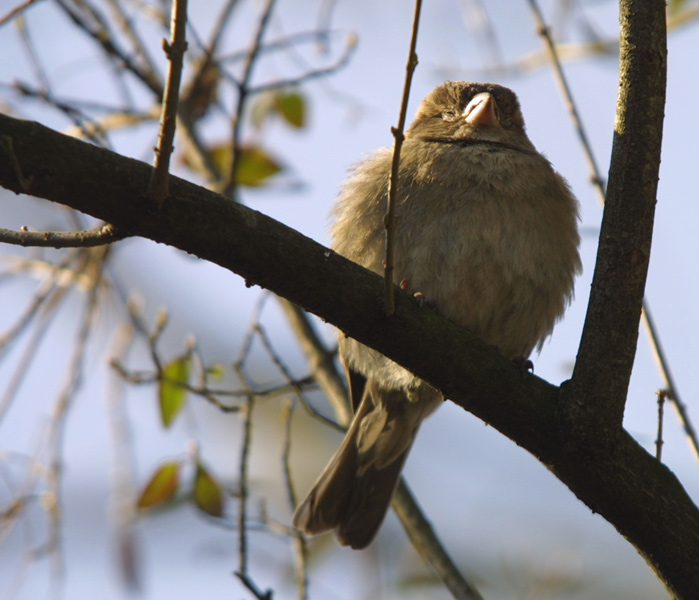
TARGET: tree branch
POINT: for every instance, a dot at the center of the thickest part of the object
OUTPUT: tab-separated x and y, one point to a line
626	485
61	239
608	344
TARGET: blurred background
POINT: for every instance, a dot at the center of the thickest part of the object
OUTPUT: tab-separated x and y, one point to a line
88	337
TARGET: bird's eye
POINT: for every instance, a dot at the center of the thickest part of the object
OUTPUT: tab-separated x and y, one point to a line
449	115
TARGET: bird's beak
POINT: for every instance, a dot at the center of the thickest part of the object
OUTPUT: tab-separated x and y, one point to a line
482	111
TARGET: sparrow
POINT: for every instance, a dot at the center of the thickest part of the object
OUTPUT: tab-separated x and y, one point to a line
486	231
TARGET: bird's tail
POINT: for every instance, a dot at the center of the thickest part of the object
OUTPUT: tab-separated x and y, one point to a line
354	491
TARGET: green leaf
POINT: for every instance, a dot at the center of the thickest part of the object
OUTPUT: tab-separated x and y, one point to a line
207	493
161	487
172	393
292	107
216	371
254	166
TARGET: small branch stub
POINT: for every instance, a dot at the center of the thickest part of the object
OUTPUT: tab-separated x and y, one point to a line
159	188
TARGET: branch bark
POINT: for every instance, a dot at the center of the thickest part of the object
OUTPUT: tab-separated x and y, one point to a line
625	484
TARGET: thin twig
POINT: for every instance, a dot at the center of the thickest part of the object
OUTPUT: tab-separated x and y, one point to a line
545	34
104	38
16	11
243	480
669	383
159	183
64	402
107	234
649	325
399	136
320	360
89	128
428	545
250	585
293	383
39	70
243	91
45	289
299	541
247	411
123	466
130	30
662	396
283	43
340	63
42	326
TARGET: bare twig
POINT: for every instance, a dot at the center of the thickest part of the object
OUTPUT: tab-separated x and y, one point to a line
243	91
16	11
389	219
41	328
662	396
103	37
250	585
106	234
63	403
39	70
88	127
668	380
243	478
159	183
481	26
428	545
545	34
282	43
293	383
247	411
299	542
123	489
51	281
340	63
320	360
130	30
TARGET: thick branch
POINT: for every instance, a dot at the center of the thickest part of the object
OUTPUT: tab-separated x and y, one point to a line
626	485
608	345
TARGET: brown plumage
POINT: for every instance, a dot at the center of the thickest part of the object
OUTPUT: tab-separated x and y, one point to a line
487	231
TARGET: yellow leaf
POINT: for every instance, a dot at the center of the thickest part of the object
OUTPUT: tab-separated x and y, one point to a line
207	493
172	391
161	487
254	166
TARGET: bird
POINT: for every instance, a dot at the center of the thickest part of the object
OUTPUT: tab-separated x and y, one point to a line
487	232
